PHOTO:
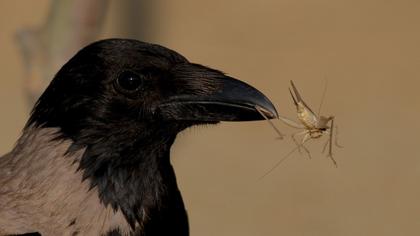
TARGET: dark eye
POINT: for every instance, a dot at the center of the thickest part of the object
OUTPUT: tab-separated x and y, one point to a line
129	82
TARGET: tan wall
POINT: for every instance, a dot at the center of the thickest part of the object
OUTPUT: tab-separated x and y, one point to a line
369	51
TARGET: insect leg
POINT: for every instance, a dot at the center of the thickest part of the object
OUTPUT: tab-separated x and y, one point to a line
336	138
296	142
306	138
297	99
330	155
326	144
291	123
280	135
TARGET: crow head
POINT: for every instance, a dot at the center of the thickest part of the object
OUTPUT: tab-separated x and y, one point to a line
124	102
127	83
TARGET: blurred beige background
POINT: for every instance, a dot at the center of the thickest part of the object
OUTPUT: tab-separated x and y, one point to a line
370	52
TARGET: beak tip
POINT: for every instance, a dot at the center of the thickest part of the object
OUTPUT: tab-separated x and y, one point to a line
274	115
269	111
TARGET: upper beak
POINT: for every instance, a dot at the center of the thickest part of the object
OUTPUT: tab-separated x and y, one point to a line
218	98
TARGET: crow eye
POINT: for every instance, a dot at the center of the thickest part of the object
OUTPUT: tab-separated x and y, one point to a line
129	82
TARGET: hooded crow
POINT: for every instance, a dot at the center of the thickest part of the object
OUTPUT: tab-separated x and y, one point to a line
93	158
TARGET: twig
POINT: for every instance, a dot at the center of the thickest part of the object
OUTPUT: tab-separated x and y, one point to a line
70	25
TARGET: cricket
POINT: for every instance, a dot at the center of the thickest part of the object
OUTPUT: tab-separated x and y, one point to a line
311	125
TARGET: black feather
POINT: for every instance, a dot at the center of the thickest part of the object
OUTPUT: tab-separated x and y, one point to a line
127	146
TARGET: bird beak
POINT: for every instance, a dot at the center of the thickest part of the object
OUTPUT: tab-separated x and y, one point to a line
210	96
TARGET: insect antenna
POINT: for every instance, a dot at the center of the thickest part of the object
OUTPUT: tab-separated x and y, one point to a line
323	96
278	163
282	160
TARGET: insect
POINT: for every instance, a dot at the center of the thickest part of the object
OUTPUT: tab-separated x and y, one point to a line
312	125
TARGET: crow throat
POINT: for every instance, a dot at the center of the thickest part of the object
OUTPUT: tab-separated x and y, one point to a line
132	172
